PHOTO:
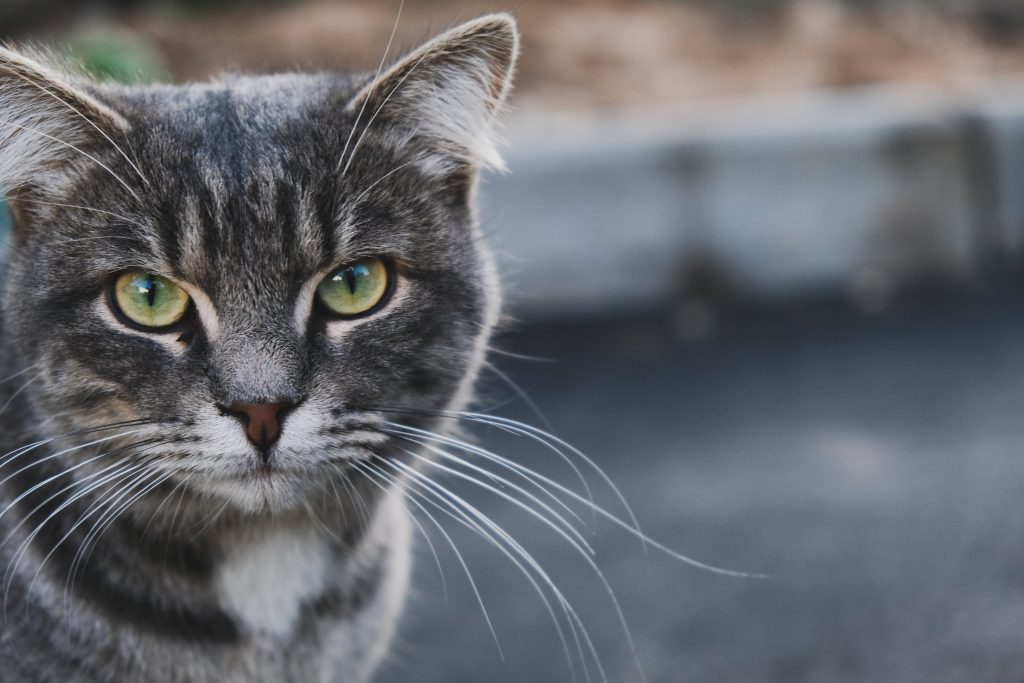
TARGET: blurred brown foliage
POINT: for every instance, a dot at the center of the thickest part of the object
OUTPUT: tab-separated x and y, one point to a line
582	53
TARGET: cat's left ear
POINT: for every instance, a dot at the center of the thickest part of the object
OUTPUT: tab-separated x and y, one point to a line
50	125
449	93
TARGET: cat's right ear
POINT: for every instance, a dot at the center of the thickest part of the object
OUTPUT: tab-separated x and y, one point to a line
447	95
47	124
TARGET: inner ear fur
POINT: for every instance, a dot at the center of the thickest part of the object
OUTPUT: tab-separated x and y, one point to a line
449	93
47	122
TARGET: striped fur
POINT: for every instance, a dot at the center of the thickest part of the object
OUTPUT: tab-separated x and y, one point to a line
143	537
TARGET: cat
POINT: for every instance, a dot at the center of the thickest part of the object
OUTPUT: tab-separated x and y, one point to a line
228	309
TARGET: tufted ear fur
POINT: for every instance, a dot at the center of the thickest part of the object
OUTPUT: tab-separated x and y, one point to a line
47	125
450	91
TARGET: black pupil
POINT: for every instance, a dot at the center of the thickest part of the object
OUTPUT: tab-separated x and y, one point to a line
150	286
349	275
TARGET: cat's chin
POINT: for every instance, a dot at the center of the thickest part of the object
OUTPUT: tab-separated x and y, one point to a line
261	491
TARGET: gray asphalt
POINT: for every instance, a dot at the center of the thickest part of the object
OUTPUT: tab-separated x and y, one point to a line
872	465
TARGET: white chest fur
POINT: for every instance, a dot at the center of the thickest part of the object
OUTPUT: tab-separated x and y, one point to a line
267	577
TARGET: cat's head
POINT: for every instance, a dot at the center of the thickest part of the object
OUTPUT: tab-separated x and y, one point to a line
250	273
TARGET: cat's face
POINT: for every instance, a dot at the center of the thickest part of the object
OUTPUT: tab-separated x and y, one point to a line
259	270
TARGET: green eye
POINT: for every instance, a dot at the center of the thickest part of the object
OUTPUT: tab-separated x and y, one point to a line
149	300
354	289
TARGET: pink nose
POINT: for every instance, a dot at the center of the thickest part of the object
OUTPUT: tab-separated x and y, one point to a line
262	421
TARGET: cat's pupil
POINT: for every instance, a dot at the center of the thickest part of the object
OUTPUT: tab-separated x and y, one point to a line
350	280
149	286
146	287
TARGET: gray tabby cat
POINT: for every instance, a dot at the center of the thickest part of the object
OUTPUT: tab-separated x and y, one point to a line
216	297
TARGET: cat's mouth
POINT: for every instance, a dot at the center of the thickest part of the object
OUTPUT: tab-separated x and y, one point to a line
263	487
276	470
265	470
269	472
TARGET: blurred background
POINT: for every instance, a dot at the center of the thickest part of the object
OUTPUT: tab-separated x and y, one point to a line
763	263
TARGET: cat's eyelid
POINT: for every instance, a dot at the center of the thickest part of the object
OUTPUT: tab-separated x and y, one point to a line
304	301
338	327
167	338
204	308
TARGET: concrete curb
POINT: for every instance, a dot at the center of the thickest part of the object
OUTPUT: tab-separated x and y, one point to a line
861	191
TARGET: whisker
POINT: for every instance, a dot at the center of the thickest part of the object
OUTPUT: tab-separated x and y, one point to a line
17	393
87	120
60	474
426	537
153	516
23	547
123	472
519	391
632	526
354	204
555	444
85	208
546	439
177	509
102	165
381	106
519	356
103	505
465	569
106	520
319	522
380	68
337	494
64	452
577	626
358	502
629	526
535	478
19	373
569	532
21	450
72	500
506	428
433	552
584	550
461	517
213	520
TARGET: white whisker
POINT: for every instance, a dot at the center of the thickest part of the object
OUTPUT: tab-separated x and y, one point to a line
19	373
107	519
89	121
17	393
530	403
577	626
77	149
23	547
462	562
64	452
380	68
53	478
86	208
566	530
584	550
538	480
380	107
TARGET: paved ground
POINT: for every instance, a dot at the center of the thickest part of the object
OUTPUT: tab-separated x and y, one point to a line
872	465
